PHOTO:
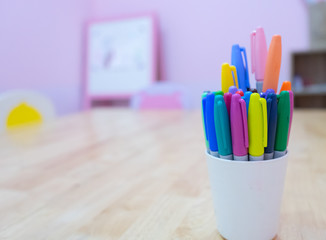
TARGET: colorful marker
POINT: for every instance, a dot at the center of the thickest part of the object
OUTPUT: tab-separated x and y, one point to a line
258	56
227	99
239	60
286	86
204	98
222	127
228	77
239	128
271	100
257	127
273	64
283	122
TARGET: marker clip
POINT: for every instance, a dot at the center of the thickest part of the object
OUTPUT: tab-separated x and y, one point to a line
244	121
235	76
243	50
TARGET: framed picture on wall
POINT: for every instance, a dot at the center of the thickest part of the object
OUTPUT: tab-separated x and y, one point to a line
121	57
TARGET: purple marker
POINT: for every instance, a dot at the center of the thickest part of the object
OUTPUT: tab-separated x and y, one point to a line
239	128
233	89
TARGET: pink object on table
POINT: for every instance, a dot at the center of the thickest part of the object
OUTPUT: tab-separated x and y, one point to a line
160	96
170	101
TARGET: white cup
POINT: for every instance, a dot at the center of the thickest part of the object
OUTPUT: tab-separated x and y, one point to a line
247	196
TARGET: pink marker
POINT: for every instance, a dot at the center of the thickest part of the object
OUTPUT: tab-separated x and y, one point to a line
239	128
227	99
291	112
258	56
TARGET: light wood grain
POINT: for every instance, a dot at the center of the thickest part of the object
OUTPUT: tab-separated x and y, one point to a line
119	174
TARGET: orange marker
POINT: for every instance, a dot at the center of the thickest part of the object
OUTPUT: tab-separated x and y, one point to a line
273	64
286	86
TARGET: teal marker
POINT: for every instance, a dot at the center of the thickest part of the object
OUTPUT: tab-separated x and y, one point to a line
222	128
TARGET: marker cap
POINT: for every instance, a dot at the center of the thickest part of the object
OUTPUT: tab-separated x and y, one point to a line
233	89
229	77
283	121
239	60
227	99
273	64
240	92
271	100
286	86
222	126
239	126
212	140
257	125
258	53
204	98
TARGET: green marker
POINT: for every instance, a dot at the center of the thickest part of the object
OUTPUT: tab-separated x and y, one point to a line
219	93
283	122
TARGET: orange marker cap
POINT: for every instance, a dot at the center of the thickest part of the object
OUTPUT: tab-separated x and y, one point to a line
286	86
273	64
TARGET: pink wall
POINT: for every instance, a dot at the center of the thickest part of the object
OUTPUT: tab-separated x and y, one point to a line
197	35
41	41
40	48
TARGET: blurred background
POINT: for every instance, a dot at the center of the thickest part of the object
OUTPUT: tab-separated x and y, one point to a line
46	47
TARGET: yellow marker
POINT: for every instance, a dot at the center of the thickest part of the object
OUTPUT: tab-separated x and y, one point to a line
257	127
227	79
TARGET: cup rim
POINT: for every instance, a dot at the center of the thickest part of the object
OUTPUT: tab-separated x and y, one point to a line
247	162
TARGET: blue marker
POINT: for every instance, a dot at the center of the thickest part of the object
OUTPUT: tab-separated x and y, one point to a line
271	101
204	98
268	91
246	97
239	60
222	127
263	95
212	141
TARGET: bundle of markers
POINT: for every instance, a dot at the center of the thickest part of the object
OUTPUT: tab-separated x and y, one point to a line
244	124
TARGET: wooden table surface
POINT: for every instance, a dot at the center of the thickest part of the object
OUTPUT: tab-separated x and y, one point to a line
120	174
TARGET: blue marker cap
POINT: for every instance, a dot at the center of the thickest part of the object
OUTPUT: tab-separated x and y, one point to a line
268	91
204	98
233	89
272	121
222	126
246	97
240	62
263	95
210	125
